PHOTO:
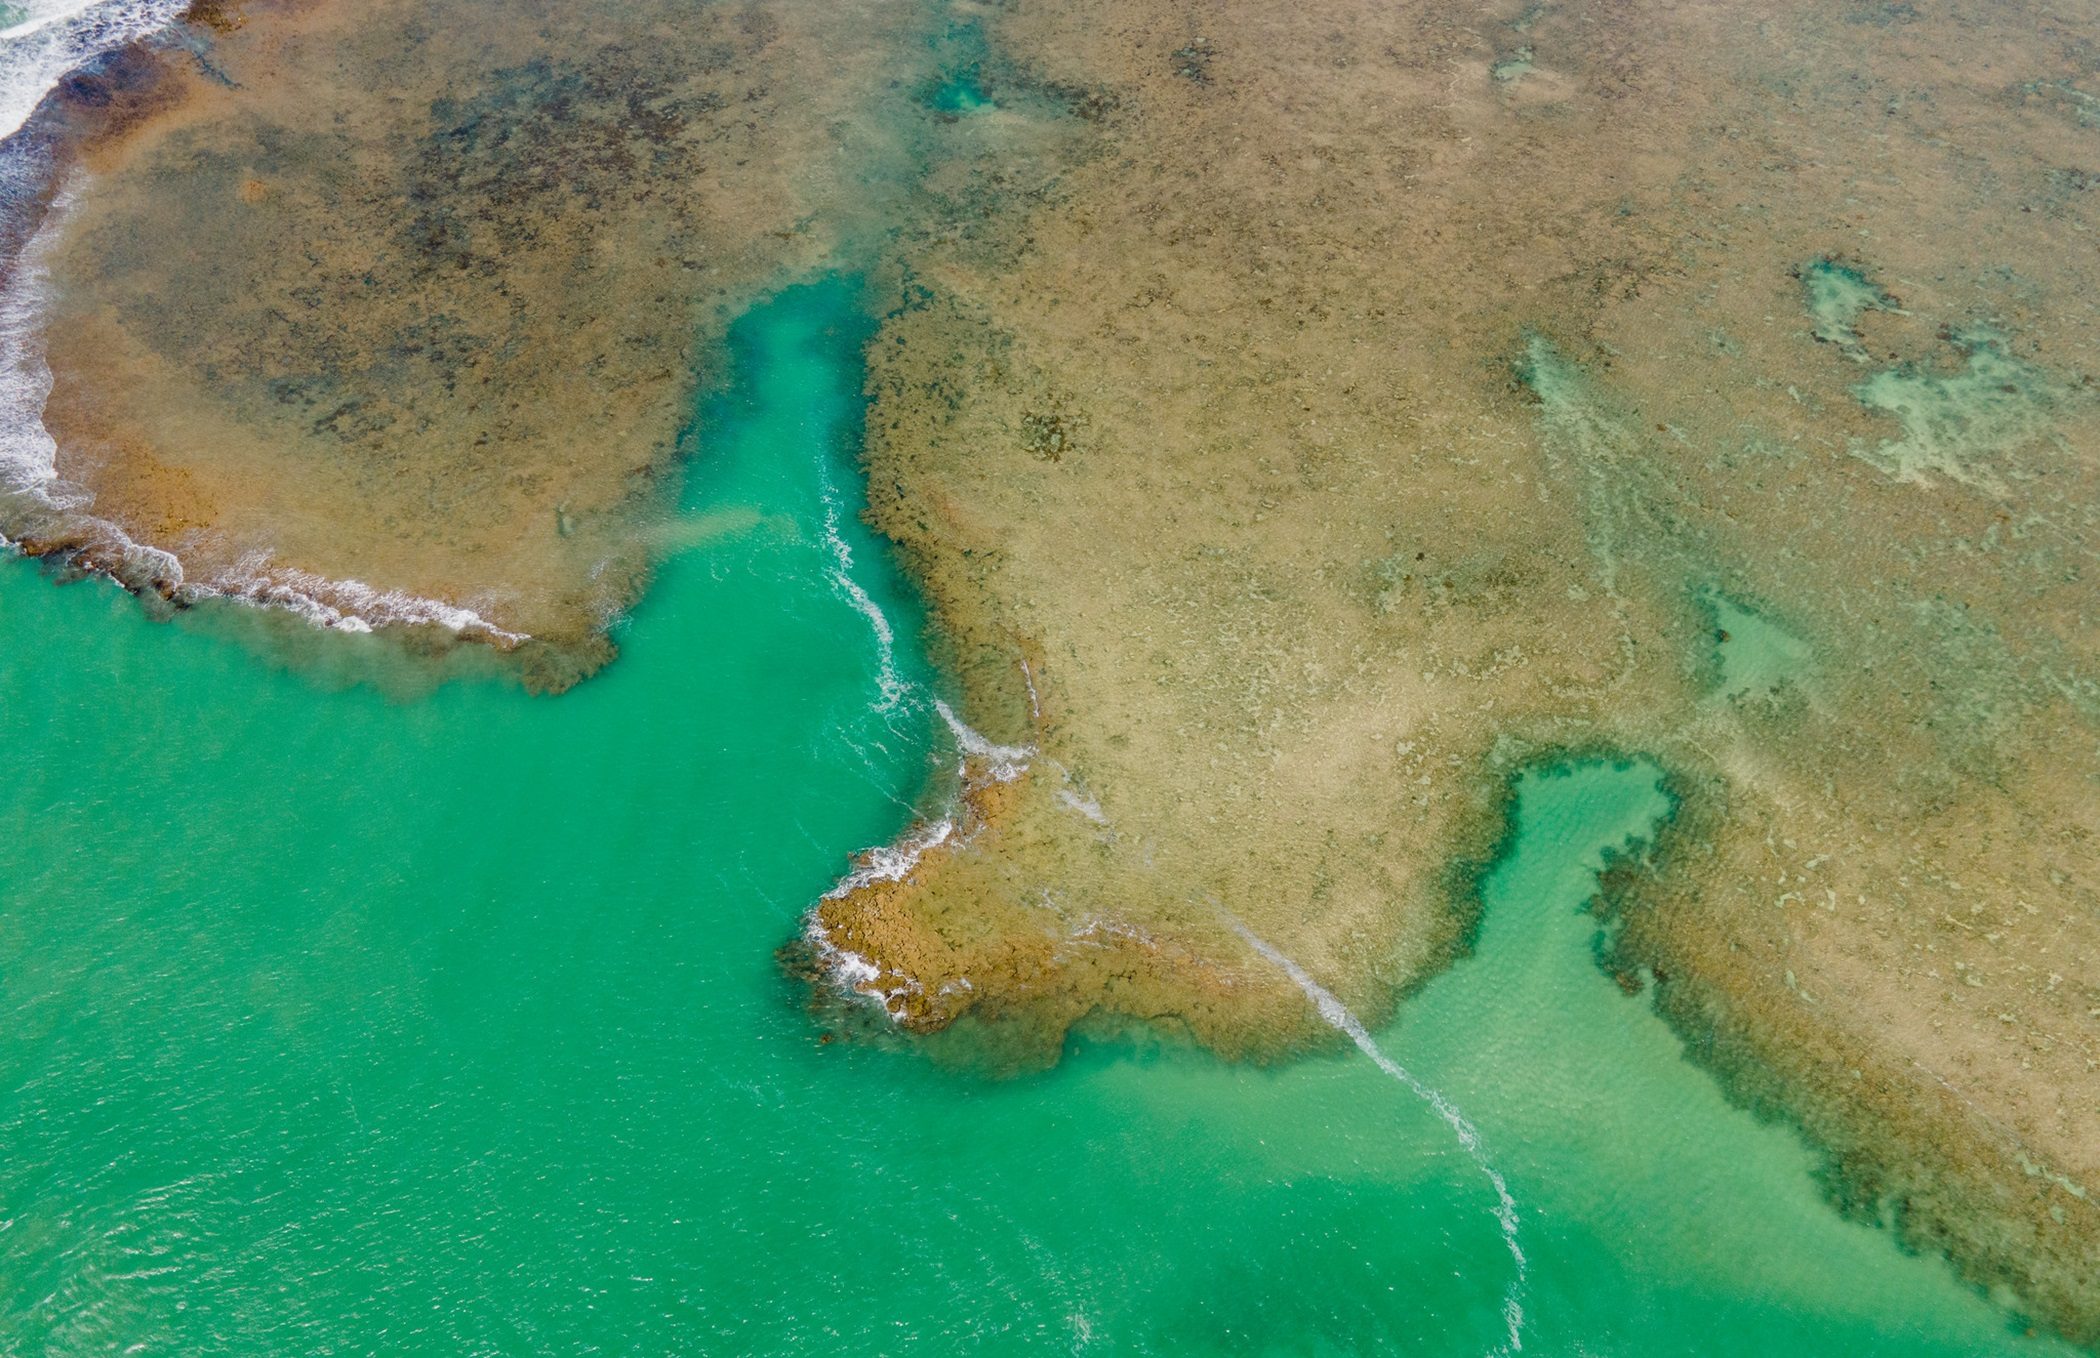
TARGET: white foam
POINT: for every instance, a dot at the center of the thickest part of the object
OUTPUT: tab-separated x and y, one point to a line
28	454
1085	806
891	862
1337	1016
1035	700
852	972
58	37
887	679
1097	927
1003	763
345	605
848	969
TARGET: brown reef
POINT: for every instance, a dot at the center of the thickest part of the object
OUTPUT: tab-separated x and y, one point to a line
1347	404
393	356
1398	394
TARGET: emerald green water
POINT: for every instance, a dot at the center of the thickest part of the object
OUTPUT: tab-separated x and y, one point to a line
448	1022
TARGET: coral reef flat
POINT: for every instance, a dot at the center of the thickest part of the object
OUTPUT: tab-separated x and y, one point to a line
1303	422
422	315
1375	411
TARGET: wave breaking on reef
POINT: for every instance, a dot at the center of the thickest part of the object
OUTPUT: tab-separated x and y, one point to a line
982	764
35	55
50	41
347	605
849	971
840	573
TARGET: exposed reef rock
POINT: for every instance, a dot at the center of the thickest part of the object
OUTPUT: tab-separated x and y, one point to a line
1432	391
423	358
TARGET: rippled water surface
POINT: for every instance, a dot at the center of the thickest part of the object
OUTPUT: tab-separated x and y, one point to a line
364	1017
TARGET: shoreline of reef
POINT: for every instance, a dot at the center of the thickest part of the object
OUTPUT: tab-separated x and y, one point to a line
1310	732
45	519
1935	1172
1303	550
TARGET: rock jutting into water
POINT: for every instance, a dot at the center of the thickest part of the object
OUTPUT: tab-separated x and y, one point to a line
1416	414
1299	418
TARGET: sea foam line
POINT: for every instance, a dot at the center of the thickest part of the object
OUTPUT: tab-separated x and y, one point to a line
345	605
1002	763
28	453
29	470
887	679
1338	1016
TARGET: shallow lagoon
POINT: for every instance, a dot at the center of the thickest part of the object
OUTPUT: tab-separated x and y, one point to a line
366	1016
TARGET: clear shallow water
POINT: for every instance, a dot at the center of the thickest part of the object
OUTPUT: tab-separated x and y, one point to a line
1755	654
334	1021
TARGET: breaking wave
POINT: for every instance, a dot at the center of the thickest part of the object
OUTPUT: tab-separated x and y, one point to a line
840	572
49	41
48	505
1002	763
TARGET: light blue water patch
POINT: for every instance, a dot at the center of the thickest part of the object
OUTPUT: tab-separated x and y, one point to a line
961	84
1512	68
1838	295
960	91
1754	654
1962	425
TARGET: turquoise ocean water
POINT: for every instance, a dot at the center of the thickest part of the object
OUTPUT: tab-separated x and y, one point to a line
344	1013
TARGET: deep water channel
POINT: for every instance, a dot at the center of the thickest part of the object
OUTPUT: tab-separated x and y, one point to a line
335	1017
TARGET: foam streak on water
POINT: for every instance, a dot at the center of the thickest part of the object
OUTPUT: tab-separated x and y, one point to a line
1002	763
1337	1016
887	679
28	456
347	605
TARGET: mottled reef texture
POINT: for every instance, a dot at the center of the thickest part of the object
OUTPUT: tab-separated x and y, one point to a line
1403	391
1301	414
410	292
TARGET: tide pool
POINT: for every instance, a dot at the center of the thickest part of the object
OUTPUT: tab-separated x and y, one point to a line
1753	654
375	1017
